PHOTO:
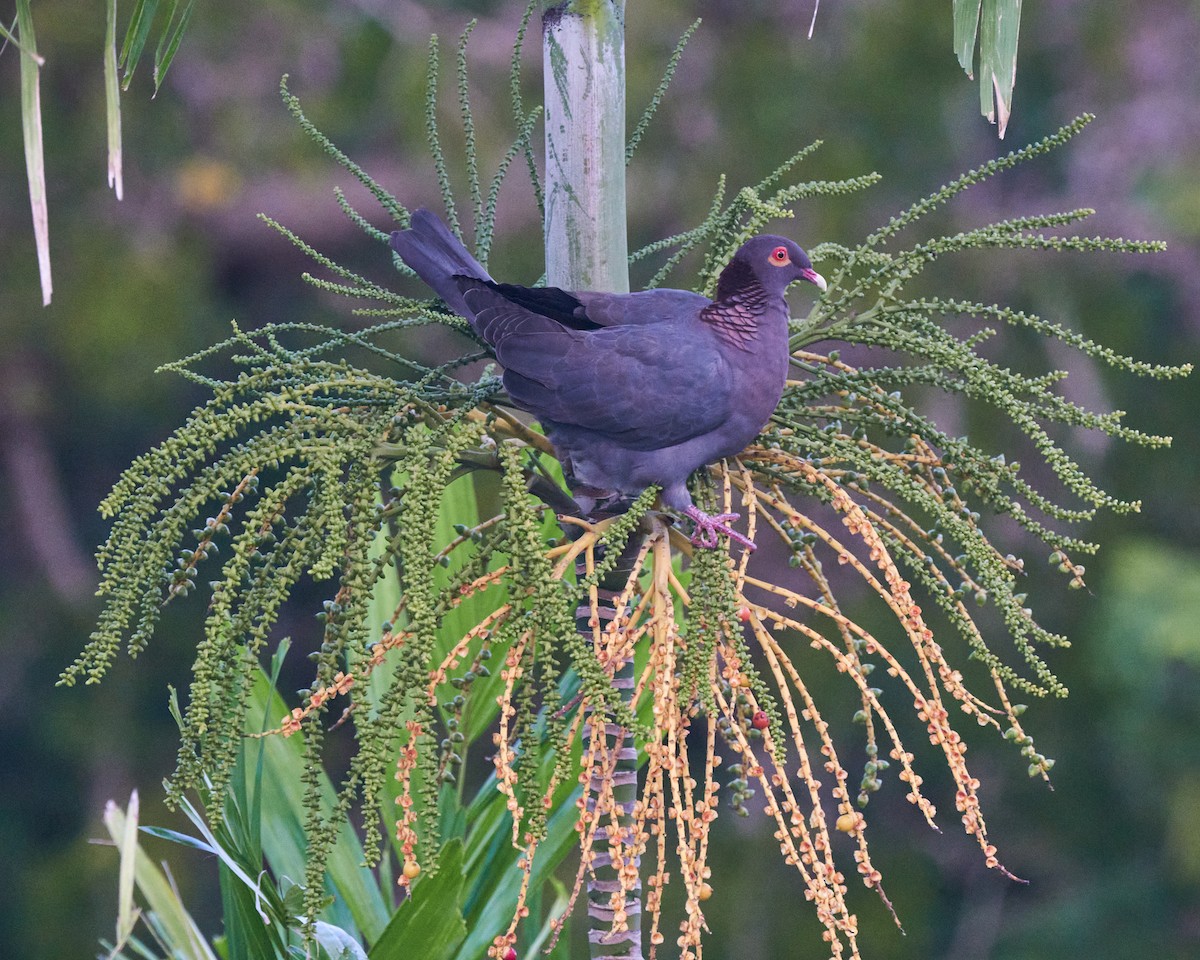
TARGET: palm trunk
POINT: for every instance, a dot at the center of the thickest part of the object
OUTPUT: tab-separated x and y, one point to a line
583	44
603	882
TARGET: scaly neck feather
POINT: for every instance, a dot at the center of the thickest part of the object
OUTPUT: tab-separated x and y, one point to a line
741	300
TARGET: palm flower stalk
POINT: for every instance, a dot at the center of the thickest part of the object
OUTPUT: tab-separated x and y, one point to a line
466	623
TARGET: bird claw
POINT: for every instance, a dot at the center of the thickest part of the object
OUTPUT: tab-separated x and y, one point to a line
708	525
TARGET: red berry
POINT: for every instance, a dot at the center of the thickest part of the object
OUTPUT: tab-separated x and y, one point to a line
511	954
743	614
760	720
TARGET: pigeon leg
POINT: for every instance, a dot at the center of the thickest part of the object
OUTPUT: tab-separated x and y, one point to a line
708	525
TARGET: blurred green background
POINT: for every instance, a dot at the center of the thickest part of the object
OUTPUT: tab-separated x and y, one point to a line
1112	854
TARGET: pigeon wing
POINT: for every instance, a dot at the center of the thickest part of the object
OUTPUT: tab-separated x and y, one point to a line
647	386
590	311
643	307
564	308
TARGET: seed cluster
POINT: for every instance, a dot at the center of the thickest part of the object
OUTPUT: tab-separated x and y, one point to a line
462	628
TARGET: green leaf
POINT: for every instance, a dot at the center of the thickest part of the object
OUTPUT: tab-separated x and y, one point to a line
358	901
430	922
135	37
460	505
1000	23
491	864
162	833
167	914
248	935
995	23
112	101
495	913
31	129
15	40
138	33
966	27
229	862
555	910
247	908
337	942
127	914
168	43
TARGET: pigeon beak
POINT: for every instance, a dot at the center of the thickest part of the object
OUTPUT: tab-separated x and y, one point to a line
814	278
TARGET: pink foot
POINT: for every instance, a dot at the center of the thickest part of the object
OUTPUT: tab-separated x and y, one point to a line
709	525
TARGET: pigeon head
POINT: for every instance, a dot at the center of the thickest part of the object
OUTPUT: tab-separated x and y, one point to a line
769	261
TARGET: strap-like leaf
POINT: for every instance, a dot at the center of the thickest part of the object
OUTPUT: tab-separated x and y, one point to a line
112	101
996	24
966	27
1000	25
168	43
31	128
135	37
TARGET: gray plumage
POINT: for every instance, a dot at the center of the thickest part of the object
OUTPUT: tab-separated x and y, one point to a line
632	389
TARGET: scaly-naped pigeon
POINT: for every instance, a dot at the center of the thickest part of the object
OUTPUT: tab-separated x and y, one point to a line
632	389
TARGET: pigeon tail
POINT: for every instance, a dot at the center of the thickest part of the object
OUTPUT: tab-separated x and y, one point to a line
708	525
438	256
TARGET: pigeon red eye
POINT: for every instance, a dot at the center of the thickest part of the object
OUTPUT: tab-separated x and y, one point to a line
779	256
